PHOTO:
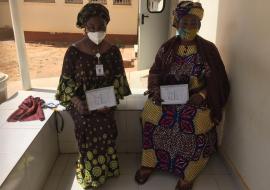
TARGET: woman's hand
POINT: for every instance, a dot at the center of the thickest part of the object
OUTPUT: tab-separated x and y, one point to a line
155	96
196	99
80	105
157	100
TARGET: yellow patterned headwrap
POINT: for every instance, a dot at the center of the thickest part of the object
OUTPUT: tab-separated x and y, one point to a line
187	8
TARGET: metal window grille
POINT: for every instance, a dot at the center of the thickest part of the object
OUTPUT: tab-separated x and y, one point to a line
74	1
40	1
104	2
122	2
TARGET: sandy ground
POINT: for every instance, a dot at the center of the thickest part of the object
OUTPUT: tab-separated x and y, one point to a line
44	59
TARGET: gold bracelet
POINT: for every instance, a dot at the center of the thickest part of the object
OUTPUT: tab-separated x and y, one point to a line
202	95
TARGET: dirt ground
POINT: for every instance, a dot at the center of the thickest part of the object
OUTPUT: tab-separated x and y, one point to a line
44	59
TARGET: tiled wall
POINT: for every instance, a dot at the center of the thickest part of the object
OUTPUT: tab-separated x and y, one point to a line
129	133
67	140
128	123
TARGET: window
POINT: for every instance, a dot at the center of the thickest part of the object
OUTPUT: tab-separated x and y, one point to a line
40	1
74	1
104	2
155	6
122	2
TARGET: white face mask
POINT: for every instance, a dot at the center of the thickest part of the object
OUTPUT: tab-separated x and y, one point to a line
96	37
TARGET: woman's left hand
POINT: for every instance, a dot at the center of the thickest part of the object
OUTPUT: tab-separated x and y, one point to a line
196	99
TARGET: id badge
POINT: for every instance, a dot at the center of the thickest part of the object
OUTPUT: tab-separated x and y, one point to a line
99	70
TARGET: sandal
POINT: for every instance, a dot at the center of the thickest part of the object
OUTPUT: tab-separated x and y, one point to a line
184	186
143	174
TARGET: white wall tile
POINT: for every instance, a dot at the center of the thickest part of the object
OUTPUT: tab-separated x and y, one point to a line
52	183
160	181
69	182
41	156
67	147
121	121
134	131
205	182
16	180
67	139
226	182
123	182
35	164
136	102
18	183
68	130
216	166
71	165
122	104
59	165
129	163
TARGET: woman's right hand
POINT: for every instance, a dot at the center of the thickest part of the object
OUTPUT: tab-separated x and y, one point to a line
80	105
155	96
157	100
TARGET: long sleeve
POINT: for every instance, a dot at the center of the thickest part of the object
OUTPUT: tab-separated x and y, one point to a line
155	75
67	86
120	83
218	87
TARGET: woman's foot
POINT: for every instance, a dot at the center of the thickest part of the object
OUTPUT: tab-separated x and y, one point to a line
183	185
143	174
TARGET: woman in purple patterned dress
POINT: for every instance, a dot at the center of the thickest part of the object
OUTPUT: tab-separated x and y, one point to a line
181	138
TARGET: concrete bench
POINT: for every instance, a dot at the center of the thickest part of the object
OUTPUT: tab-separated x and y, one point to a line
28	150
129	129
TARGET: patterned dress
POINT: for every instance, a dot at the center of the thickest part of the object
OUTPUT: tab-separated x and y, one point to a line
95	132
180	138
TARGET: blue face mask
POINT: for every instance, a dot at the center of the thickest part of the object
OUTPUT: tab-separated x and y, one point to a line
187	34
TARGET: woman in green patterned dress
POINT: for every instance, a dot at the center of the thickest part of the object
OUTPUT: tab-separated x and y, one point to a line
95	131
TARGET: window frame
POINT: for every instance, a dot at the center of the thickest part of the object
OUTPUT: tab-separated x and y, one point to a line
164	4
125	4
103	2
39	1
73	1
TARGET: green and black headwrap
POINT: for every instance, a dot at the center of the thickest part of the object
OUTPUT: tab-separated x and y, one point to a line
90	10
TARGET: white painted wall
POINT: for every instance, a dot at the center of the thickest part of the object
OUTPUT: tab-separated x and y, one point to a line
244	42
209	21
172	30
61	17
